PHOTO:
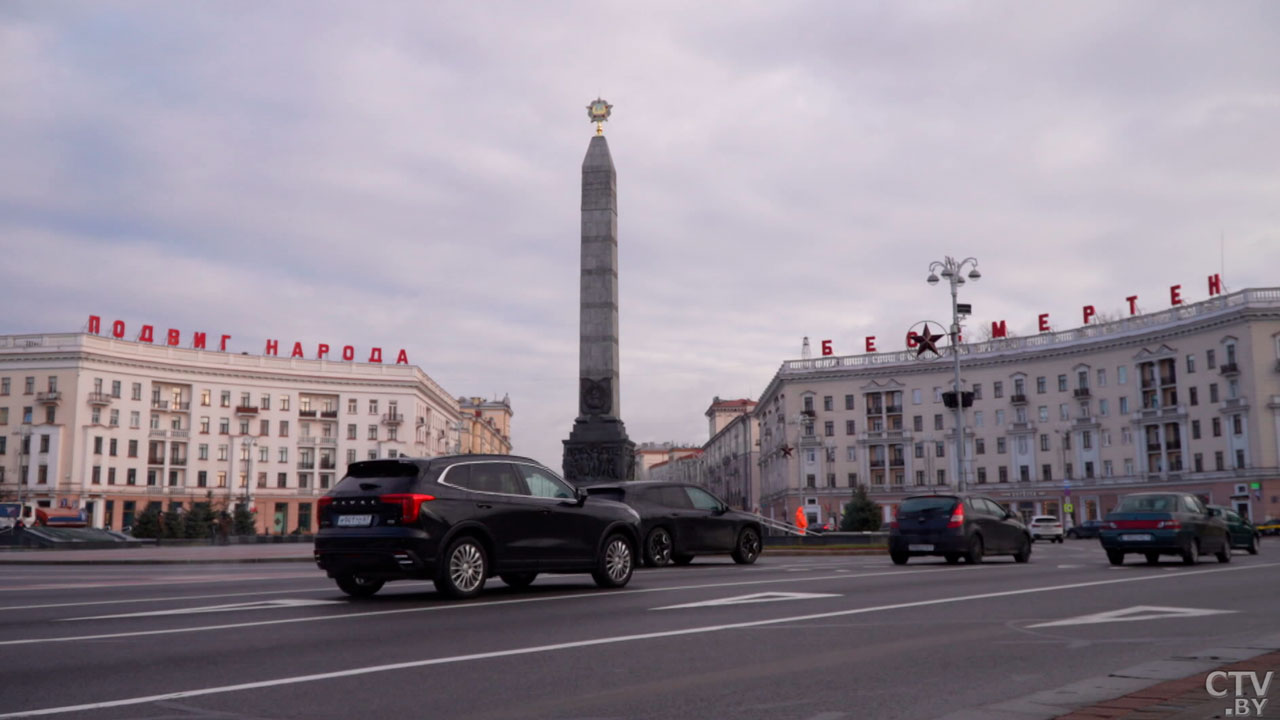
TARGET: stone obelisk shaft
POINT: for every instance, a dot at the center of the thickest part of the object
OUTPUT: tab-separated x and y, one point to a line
598	319
598	449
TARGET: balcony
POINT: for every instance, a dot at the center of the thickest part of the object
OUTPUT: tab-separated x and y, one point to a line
155	459
246	410
893	410
1085	421
1021	427
876	464
306	465
327	465
307	413
392	419
53	397
180	406
329	414
160	404
99	399
157	433
1081	392
1018	399
327	442
307	439
178	461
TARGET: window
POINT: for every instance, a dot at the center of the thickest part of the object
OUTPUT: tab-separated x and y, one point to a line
135	419
284	428
373	432
205	396
1103	407
244	427
1004	473
1213	392
222	452
111	446
4	416
202	451
979	446
133	449
1023	445
1046	472
937	421
1102	377
917	423
373	406
29	386
851	453
136	391
1062	383
351	431
977	391
264	427
1239	459
828	403
1043	412
997	389
224	426
373	454
264	454
1237	425
848	427
97	444
1024	473
1210	360
999	418
917	396
977	419
1195	429
115	418
4	386
265	401
1042	385
226	398
939	449
26	415
1217	458
1002	446
829	428
1064	412
982	476
284	402
1086	440
1217	427
1124	405
352	406
808	404
1191	363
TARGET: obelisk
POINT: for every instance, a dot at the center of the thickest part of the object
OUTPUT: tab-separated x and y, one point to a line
598	449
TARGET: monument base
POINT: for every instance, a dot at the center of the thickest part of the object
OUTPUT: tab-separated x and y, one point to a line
597	451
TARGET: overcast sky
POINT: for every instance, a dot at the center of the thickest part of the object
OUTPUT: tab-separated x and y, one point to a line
404	174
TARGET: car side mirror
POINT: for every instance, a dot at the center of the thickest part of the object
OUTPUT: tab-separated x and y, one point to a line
721	510
580	496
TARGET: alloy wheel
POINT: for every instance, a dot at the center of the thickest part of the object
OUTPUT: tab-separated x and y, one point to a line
466	567
617	560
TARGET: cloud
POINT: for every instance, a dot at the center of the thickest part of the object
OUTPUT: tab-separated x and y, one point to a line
407	175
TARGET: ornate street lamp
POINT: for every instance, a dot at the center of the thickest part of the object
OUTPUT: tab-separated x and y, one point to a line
953	272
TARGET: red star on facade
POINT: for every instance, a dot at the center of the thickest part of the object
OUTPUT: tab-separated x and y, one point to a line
927	341
786	450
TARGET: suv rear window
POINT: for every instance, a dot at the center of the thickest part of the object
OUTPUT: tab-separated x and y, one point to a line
380	476
1148	503
930	503
1044	519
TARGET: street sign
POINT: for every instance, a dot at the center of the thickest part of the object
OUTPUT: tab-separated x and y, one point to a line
1070	507
964	309
1255	486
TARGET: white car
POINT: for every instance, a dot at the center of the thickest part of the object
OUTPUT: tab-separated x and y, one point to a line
1046	527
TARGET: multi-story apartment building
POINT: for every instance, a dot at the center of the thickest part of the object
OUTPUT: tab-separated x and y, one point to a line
485	426
1062	423
115	426
651	454
729	459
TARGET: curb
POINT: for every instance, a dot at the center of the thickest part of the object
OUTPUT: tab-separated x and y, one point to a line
158	561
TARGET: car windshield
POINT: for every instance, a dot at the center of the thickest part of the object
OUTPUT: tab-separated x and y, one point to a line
381	476
930	503
1148	503
1044	519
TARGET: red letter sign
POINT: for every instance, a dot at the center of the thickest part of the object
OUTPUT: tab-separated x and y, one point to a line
375	355
297	350
402	358
147	335
117	329
322	350
273	348
1175	297
1044	322
1089	312
198	341
999	330
1215	284
223	345
174	337
871	343
826	348
1133	304
95	324
348	353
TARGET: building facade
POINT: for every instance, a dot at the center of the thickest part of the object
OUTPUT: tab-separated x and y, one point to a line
485	426
729	459
650	454
1062	423
117	427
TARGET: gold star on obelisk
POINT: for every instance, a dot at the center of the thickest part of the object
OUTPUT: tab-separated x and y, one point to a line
599	111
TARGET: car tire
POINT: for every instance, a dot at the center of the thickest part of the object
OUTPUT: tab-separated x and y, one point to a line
1061	539
1073	535
1024	551
616	563
682	558
748	547
1190	552
974	554
1253	545
899	558
1115	557
1224	553
358	587
658	547
517	580
952	558
465	568
1153	558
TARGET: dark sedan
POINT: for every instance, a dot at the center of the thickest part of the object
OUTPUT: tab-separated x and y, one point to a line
1086	529
1244	536
679	521
1163	523
956	526
458	520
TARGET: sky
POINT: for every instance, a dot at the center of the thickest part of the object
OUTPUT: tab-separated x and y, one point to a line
406	175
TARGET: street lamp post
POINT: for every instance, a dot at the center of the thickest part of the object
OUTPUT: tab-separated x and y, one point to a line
953	271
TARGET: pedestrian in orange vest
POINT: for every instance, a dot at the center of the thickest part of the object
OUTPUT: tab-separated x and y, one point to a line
802	521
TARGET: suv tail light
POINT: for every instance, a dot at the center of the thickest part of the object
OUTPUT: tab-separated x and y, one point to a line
957	517
409	504
893	524
323	504
1169	525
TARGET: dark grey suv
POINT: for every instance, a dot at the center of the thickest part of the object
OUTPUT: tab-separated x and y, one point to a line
956	526
459	520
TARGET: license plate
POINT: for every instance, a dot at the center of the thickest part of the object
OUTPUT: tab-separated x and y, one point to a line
355	520
1136	538
920	548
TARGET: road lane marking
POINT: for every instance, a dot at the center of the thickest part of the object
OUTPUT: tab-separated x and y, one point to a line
754	598
166	581
326	588
466	606
594	642
1137	612
280	604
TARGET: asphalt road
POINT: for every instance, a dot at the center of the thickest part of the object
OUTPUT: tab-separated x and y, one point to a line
841	637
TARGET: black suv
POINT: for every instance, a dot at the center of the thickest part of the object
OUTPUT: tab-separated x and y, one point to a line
679	520
956	526
458	520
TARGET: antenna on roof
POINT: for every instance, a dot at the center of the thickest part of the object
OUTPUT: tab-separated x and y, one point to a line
805	352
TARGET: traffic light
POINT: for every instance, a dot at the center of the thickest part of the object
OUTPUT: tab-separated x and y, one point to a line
949	399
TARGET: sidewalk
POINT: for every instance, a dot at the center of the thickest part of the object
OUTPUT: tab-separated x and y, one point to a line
237	553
